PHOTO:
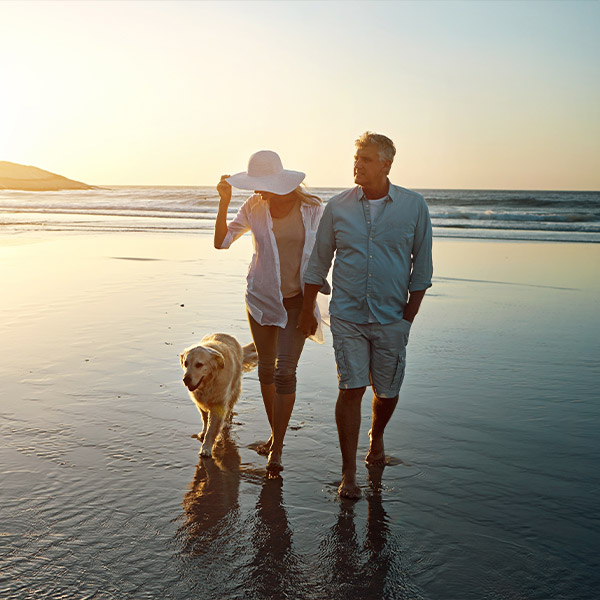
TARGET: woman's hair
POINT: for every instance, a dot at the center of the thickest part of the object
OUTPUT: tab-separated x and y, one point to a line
303	195
385	146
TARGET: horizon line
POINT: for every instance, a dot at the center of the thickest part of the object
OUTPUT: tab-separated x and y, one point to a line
337	187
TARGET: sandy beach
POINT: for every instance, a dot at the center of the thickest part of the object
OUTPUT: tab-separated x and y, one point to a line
491	490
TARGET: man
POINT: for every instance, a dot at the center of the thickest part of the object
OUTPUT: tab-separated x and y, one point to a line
380	235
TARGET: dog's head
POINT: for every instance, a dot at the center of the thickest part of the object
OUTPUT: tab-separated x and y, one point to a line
200	364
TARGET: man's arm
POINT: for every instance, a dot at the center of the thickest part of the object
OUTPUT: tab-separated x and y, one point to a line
422	264
316	272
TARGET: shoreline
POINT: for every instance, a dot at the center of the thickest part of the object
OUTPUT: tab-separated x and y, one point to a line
448	233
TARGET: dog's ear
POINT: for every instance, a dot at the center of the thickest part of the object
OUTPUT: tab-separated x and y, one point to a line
216	356
181	358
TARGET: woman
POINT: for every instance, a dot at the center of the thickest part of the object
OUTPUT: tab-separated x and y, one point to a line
283	220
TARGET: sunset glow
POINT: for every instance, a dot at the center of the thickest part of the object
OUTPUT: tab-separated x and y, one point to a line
475	95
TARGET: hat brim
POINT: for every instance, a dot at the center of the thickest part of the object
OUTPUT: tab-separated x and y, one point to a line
281	183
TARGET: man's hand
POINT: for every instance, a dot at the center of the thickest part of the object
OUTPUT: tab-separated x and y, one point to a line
412	307
409	313
307	322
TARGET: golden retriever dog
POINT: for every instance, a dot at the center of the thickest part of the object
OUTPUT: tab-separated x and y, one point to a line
213	376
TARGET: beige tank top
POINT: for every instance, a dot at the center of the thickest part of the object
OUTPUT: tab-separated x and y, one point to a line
289	235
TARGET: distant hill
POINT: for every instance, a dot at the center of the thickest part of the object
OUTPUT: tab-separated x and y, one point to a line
31	179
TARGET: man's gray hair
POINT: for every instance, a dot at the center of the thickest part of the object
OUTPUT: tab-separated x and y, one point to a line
385	146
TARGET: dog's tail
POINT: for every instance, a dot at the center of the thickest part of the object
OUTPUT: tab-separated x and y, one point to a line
250	359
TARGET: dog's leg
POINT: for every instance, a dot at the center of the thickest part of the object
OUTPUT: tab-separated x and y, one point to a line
204	414
215	423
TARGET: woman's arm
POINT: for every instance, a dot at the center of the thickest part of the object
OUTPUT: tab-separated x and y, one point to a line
224	190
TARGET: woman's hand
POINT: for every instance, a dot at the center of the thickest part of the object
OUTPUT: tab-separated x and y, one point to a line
224	190
307	322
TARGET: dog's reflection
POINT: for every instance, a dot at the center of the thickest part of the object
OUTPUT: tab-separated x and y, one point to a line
214	526
212	501
370	569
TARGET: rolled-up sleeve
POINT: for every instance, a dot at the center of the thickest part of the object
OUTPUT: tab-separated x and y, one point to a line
323	251
237	227
422	261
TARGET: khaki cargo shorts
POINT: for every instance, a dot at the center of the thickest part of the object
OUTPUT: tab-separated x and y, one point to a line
370	354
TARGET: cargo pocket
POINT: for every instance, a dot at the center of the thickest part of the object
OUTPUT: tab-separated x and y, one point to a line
399	374
340	363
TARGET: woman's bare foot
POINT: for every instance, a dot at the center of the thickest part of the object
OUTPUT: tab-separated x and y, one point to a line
274	466
348	487
264	449
376	455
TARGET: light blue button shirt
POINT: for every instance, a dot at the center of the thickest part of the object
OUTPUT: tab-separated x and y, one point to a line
376	263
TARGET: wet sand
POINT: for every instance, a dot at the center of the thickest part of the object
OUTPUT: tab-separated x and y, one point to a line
492	482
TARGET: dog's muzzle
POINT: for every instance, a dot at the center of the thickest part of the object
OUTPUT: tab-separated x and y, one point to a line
187	381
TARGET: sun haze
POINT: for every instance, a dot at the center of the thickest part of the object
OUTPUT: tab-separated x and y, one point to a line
475	95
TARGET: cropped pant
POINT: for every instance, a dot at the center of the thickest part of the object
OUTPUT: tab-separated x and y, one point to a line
279	348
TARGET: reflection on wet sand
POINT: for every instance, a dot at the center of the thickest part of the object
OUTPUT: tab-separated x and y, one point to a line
371	570
233	553
258	546
211	504
275	570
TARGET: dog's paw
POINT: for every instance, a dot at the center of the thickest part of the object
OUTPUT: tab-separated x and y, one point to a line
206	452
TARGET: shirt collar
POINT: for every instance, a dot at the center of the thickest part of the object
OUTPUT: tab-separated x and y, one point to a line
390	195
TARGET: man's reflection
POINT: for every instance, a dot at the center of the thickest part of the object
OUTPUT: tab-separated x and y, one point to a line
368	570
382	556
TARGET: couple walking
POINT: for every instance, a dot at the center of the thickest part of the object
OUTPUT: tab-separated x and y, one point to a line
379	237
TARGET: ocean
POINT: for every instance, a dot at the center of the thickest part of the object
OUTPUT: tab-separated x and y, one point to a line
488	214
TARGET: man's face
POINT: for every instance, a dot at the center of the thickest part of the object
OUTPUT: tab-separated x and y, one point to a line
369	170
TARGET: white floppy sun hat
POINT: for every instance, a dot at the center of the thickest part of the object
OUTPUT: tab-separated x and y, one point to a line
266	174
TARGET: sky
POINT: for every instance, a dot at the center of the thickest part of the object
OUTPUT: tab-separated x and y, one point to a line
475	95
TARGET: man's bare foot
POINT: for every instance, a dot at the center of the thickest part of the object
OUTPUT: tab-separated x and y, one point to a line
264	449
376	454
374	479
348	488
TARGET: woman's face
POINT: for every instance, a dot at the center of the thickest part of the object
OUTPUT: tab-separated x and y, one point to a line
267	196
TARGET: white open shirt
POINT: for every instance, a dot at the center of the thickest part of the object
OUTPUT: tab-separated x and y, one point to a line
263	292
